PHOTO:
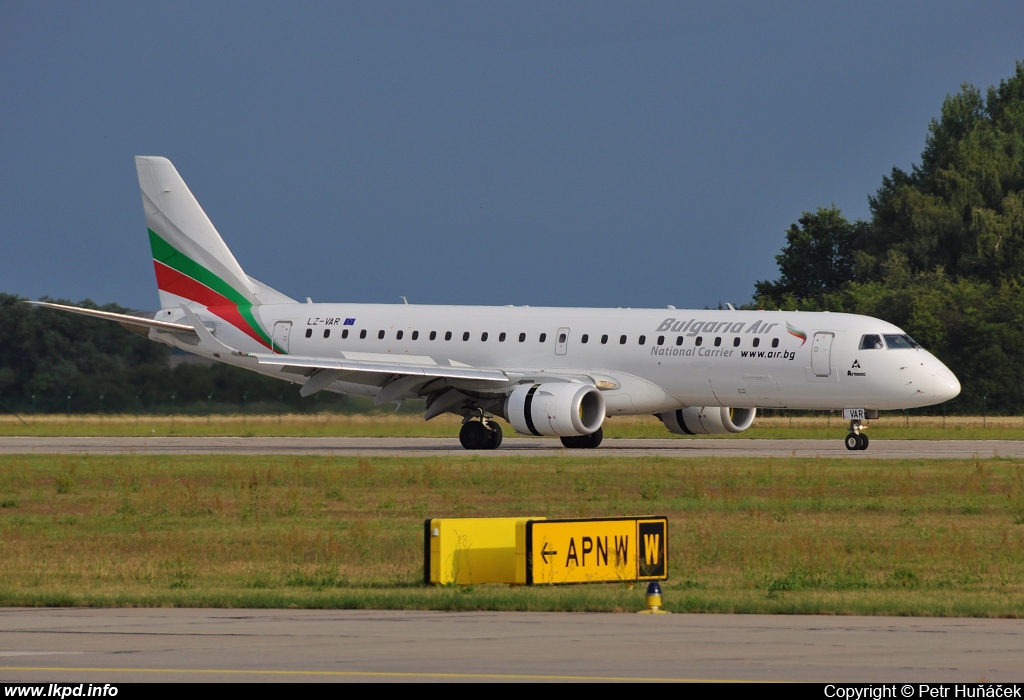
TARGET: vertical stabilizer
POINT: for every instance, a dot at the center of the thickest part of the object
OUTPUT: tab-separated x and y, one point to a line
192	263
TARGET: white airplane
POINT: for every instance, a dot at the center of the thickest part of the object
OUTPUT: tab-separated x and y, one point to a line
547	371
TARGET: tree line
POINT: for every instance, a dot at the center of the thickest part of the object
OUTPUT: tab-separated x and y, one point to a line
942	255
55	362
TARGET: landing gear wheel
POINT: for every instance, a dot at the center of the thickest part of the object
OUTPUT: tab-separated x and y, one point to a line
584	442
474	435
852	442
493	436
863	441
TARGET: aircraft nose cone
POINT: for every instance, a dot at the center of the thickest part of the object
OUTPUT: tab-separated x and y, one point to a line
946	386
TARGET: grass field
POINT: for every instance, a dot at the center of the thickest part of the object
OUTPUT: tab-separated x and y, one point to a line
825	426
751	535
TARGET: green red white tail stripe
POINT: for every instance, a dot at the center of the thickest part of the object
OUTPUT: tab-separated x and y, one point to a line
183	277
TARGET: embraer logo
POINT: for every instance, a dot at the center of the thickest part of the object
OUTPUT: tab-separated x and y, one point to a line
693	327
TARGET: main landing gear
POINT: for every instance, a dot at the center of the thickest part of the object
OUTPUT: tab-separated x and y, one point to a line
480	435
857	440
584	442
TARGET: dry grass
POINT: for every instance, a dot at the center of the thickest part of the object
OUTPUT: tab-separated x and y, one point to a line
782	535
825	426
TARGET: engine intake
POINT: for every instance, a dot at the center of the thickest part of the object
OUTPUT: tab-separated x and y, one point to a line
556	408
708	420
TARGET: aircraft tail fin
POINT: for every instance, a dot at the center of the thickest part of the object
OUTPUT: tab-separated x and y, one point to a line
193	265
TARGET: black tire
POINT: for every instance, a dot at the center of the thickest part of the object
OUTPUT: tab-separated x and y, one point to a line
863	442
474	435
494	436
584	442
853	441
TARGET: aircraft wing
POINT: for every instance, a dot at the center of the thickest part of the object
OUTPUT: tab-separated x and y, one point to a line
418	369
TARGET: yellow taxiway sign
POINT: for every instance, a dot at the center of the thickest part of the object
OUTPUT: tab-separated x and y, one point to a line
593	550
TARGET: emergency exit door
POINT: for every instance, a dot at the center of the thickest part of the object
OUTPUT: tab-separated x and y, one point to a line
282	329
562	341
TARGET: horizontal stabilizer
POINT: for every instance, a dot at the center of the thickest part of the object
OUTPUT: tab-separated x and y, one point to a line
123	319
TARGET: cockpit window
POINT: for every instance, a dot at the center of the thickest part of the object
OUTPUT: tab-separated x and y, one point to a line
871	342
900	342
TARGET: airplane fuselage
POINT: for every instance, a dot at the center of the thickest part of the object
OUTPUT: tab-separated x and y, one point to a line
646	360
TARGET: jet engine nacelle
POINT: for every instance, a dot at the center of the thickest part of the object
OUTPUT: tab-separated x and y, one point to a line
708	420
556	408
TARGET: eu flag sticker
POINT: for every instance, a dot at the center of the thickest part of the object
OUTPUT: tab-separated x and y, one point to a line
350	322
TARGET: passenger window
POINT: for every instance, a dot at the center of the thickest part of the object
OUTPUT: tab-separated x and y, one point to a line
585	338
736	342
344	333
775	342
465	336
362	334
718	342
522	337
561	337
543	337
643	339
661	340
327	332
698	340
415	335
483	337
399	335
380	335
501	337
622	340
757	341
448	335
604	340
679	340
309	332
433	335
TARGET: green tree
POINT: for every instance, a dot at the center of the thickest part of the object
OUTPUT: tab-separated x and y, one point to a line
818	258
962	208
47	355
943	254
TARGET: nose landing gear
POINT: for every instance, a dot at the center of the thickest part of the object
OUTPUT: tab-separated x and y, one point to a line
857	440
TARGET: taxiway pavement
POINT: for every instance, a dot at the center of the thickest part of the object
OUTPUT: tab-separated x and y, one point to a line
544	447
161	645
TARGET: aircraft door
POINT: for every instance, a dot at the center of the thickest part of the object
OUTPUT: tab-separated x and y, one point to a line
821	354
562	341
282	330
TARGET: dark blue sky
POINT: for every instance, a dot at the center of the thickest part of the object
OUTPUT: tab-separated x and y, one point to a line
554	153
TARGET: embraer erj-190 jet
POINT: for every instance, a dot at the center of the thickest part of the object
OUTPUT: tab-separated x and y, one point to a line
547	371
